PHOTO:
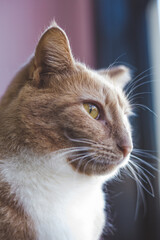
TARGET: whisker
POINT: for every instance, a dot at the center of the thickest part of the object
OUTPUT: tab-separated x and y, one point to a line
77	155
132	98
139	189
137	79
144	162
139	166
137	86
144	107
137	170
145	153
115	62
81	140
70	150
94	165
143	150
142	185
81	157
90	142
147	178
135	83
92	159
134	80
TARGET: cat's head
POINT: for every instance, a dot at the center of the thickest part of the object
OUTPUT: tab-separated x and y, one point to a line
63	104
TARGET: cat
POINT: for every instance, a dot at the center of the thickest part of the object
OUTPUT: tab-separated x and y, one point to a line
64	131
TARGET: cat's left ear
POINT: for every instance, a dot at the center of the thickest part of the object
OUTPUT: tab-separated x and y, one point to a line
120	75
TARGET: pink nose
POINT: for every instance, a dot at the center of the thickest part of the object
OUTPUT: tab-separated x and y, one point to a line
125	150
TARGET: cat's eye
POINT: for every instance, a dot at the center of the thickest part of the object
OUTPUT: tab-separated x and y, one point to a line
92	110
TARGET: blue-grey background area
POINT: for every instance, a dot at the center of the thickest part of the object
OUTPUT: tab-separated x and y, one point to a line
122	38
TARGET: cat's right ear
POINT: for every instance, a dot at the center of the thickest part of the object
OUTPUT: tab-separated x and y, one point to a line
53	54
119	75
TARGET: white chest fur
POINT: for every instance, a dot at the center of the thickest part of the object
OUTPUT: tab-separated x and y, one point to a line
68	212
63	205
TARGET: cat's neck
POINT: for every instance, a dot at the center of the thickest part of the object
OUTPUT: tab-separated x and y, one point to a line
49	167
47	187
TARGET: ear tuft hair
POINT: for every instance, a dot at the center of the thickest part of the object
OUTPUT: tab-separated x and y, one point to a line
53	23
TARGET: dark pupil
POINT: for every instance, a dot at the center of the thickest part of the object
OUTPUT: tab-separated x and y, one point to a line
90	108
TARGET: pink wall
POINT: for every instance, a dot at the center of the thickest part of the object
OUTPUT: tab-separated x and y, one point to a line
21	23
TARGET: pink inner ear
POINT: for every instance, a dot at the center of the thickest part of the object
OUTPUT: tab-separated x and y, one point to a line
53	51
117	71
118	74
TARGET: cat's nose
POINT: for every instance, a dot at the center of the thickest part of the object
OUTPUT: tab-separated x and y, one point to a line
125	150
125	145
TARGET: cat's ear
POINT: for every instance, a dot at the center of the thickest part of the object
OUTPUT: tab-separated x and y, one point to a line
120	75
53	53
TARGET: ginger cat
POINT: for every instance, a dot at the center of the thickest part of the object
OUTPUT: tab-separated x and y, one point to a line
64	131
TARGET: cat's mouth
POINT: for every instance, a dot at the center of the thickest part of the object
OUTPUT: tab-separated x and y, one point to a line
95	165
95	158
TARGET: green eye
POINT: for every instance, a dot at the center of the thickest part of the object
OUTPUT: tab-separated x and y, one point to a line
92	110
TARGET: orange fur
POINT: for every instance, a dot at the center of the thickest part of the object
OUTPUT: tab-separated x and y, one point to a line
42	110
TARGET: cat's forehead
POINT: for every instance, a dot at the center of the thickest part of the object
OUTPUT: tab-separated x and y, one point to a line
100	88
87	84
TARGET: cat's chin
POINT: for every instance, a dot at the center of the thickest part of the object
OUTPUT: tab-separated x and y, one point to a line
99	167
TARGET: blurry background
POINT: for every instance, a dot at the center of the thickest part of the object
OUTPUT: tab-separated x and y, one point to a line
102	33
